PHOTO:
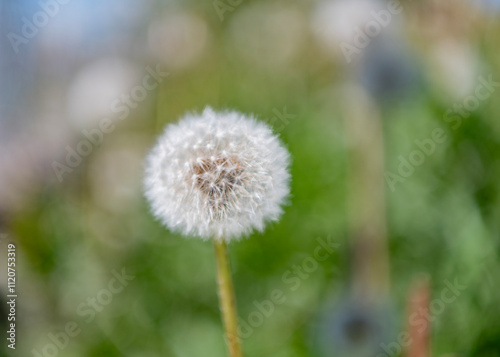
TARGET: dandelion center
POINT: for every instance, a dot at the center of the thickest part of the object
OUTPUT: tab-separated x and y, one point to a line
217	179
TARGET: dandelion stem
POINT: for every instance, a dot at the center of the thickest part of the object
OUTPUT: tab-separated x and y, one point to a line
227	300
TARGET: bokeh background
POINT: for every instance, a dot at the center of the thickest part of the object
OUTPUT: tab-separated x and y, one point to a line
399	233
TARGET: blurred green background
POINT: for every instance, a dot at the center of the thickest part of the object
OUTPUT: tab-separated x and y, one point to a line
282	61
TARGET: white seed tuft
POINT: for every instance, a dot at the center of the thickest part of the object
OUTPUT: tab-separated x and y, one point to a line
217	175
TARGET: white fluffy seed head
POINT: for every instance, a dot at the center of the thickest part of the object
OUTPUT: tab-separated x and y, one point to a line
217	175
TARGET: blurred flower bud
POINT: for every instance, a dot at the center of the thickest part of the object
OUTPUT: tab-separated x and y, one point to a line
388	72
354	328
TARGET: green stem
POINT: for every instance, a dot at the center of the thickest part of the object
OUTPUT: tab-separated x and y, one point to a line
226	298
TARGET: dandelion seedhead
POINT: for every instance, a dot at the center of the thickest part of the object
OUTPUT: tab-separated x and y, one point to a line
217	175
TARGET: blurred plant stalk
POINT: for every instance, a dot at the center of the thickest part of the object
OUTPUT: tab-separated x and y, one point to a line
370	269
418	300
227	299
